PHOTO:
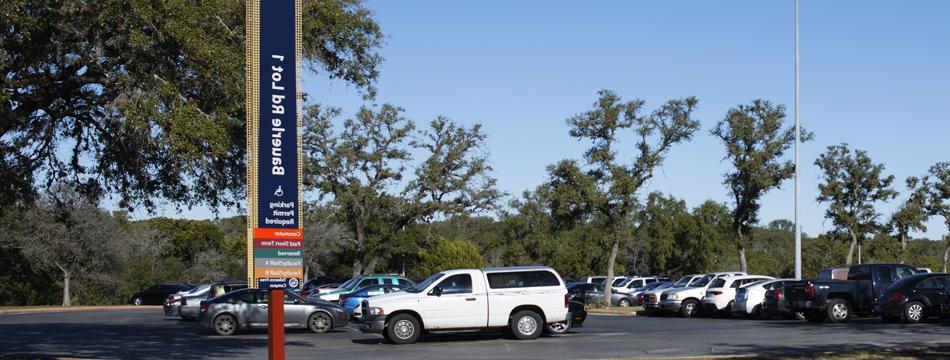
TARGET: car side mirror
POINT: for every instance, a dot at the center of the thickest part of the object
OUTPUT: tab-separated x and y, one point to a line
437	291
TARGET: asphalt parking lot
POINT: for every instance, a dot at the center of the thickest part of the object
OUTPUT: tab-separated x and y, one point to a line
146	334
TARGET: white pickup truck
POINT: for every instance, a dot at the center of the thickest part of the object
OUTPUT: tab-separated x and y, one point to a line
526	300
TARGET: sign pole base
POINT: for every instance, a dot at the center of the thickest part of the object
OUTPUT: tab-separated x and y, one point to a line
275	325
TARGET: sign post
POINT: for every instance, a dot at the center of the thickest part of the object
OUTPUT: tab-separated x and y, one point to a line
275	234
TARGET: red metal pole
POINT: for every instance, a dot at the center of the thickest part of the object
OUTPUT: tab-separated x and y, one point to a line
275	325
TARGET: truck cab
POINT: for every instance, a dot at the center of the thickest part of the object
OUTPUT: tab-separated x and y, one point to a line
839	300
522	299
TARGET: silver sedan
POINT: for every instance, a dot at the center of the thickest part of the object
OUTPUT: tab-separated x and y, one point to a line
247	308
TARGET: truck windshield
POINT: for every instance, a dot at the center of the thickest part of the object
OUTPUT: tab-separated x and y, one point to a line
702	282
425	283
682	282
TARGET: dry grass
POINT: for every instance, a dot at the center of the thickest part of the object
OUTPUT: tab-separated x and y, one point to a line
614	310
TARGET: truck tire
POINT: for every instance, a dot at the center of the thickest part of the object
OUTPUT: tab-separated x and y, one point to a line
815	316
689	308
914	312
403	329
526	325
838	311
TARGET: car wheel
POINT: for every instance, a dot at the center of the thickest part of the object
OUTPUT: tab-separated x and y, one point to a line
839	310
689	308
526	325
320	323
815	316
559	328
137	301
403	329
914	312
224	325
624	302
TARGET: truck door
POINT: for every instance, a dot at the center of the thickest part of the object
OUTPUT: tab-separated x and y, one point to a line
883	278
454	303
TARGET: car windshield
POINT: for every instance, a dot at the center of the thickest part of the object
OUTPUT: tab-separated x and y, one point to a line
425	283
702	282
199	289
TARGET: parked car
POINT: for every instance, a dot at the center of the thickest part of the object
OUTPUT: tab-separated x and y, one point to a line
576	314
839	300
189	309
351	302
651	299
773	304
247	308
639	295
172	306
635	283
749	298
721	294
524	299
320	281
914	298
360	282
686	300
156	294
585	293
593	279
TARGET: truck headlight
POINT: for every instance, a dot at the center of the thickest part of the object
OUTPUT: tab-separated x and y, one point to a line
376	311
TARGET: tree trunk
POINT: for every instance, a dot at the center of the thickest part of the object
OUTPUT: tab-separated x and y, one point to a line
903	248
854	243
610	272
360	250
740	245
306	274
946	252
371	265
66	300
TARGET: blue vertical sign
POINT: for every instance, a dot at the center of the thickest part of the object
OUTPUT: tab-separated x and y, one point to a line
277	205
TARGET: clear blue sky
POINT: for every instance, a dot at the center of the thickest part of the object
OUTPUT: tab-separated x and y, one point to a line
875	74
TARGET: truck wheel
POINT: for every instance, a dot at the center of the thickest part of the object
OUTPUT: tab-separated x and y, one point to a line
526	325
690	308
914	312
839	310
403	329
224	325
815	316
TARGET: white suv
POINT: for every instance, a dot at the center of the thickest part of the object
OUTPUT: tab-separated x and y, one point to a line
525	300
687	300
721	293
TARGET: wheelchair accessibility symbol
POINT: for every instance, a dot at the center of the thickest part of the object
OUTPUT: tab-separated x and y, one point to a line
279	192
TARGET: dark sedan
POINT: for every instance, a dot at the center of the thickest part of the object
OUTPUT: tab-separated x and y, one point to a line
914	298
247	308
585	293
157	294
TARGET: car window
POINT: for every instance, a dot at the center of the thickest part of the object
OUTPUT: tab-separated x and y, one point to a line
457	284
388	281
375	291
368	282
504	280
939	282
249	297
903	271
736	284
718	283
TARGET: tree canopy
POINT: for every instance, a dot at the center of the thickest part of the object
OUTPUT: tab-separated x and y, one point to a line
145	99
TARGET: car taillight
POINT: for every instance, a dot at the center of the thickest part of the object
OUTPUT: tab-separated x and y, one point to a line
170	298
809	291
204	306
897	296
779	295
566	300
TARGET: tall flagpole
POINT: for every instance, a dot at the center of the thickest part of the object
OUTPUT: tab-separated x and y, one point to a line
798	142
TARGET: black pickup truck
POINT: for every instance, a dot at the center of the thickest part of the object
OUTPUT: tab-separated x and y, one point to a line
839	300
